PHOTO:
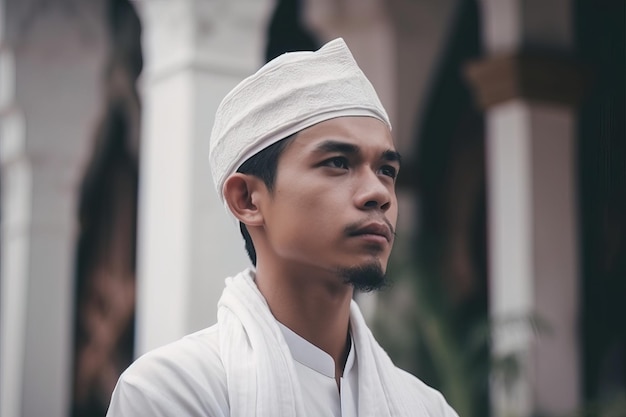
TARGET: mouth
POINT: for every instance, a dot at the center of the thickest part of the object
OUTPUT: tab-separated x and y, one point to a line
373	230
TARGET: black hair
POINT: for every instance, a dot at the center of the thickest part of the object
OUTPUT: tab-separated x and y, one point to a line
263	165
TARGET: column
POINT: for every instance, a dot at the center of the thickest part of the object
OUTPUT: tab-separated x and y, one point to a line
195	52
51	56
529	97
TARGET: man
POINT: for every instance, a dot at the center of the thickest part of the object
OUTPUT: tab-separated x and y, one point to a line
303	158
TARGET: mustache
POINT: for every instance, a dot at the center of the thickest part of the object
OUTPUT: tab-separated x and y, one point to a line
353	228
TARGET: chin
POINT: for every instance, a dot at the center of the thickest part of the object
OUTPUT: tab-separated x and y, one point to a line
366	277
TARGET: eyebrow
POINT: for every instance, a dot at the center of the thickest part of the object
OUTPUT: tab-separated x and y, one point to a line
392	156
336	146
350	149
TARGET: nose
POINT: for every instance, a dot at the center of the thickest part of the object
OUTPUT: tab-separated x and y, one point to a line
373	193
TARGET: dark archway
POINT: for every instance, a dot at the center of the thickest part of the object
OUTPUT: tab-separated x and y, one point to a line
286	32
449	249
105	264
600	28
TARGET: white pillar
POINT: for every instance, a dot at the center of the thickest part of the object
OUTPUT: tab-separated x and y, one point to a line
533	247
533	238
195	52
50	70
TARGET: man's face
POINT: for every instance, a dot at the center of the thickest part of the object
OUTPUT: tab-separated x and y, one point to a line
333	206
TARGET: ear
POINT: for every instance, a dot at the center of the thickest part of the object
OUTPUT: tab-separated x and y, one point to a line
242	193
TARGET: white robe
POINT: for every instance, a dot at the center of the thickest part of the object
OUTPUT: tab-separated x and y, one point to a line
316	374
243	367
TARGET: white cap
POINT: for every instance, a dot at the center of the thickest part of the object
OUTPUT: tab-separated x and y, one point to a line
288	94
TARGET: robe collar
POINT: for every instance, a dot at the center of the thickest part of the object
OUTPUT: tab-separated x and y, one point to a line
313	357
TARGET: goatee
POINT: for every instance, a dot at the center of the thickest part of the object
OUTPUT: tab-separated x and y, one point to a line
366	278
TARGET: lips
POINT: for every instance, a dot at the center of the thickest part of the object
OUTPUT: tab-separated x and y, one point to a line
376	229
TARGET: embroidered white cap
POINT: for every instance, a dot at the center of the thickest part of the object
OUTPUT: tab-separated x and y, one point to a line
288	94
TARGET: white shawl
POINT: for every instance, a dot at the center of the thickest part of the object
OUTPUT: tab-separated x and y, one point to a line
261	376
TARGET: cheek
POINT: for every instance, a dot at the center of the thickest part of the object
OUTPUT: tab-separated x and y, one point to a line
303	215
304	219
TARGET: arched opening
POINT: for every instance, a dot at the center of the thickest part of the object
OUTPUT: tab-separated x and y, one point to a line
105	263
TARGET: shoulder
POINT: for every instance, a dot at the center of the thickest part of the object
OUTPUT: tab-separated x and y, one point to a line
433	400
185	377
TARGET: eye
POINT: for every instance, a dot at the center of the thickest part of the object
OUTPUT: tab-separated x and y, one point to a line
389	171
337	162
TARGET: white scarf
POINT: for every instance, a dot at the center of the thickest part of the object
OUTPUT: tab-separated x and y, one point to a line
262	379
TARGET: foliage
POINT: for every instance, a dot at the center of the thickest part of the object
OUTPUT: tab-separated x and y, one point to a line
415	325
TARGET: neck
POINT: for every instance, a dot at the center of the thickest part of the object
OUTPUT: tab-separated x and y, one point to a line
314	304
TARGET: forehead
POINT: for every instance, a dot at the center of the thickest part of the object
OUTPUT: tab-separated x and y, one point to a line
367	133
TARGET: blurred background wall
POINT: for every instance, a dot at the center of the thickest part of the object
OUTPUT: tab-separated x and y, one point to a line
510	265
